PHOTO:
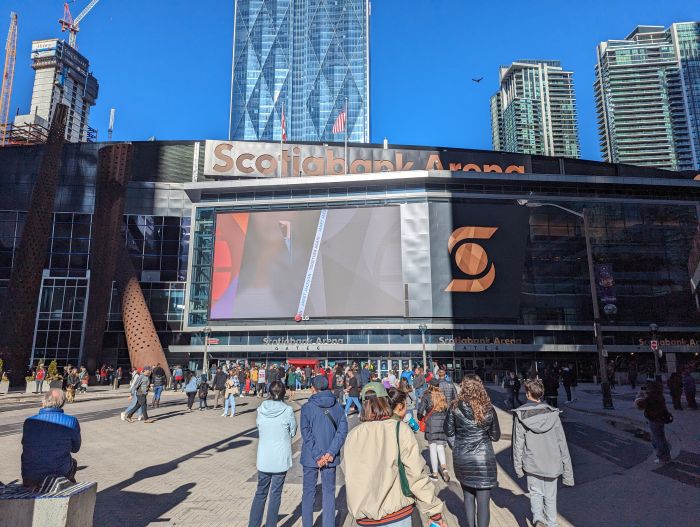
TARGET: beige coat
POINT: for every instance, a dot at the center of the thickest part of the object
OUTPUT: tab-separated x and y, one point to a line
370	465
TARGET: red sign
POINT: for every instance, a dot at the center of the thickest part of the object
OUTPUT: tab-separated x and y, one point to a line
654	344
212	340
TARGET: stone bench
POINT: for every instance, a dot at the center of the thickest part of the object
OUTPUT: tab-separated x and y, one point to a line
58	503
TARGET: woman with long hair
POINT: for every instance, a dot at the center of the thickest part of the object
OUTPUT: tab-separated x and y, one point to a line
383	467
473	422
433	411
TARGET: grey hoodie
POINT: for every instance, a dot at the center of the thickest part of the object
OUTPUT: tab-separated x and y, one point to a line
539	443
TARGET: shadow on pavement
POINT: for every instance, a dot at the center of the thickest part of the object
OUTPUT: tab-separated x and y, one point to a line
117	507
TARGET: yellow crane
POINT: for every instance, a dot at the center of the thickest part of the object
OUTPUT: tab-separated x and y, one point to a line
8	76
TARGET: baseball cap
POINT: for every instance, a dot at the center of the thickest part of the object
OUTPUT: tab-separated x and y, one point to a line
376	387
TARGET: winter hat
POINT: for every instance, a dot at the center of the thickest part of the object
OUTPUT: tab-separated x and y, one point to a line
320	383
434	382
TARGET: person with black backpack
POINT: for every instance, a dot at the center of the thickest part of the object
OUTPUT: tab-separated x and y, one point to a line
339	384
203	392
323	431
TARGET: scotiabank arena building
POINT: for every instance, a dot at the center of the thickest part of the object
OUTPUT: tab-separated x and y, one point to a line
263	252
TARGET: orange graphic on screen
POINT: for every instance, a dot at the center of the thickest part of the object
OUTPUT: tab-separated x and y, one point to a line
228	254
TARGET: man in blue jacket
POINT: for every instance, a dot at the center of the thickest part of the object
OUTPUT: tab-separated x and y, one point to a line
323	430
48	439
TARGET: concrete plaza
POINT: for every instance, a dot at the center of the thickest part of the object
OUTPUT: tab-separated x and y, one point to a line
198	468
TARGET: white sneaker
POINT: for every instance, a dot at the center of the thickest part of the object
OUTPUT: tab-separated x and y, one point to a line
232	415
123	416
140	418
224	415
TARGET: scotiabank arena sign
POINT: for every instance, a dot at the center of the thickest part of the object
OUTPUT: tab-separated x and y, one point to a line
248	159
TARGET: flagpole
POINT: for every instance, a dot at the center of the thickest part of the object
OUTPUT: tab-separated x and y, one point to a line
347	160
282	127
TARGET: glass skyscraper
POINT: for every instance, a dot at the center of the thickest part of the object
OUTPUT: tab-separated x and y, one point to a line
534	110
648	97
310	57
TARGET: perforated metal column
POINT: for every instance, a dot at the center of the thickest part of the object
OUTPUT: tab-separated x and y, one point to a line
141	336
20	306
113	172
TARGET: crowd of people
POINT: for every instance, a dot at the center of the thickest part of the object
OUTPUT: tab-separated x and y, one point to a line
386	476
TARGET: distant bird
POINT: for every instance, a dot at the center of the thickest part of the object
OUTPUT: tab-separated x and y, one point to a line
478	80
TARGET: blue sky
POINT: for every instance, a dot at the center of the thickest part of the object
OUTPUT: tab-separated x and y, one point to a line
165	64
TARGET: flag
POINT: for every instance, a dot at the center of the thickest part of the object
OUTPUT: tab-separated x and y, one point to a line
339	125
284	126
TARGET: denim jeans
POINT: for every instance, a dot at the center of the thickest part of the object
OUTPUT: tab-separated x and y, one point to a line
132	404
659	442
298	384
39	386
406	522
543	499
230	401
272	483
157	390
309	496
349	401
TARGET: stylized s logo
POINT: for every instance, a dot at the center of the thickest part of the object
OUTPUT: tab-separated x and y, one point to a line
472	259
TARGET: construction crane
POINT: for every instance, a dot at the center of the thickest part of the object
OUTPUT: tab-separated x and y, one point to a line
70	24
8	77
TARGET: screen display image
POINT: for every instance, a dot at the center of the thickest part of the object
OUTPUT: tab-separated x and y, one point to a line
310	263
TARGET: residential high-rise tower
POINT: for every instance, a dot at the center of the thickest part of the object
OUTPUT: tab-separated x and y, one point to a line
308	57
648	97
534	111
62	75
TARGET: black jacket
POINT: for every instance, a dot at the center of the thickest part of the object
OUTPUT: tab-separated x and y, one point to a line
219	381
435	424
473	456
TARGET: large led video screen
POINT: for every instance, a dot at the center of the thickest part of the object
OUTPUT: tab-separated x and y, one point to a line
310	263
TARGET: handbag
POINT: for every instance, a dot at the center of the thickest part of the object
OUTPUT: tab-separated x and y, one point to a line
668	418
405	486
423	422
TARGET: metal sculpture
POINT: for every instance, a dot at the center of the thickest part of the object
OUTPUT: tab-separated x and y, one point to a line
20	305
113	168
141	336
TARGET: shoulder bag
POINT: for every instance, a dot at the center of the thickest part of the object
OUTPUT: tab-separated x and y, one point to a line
423	422
405	487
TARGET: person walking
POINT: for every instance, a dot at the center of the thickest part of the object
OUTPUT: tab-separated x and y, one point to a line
219	384
419	383
232	388
178	378
513	385
323	431
242	379
39	377
540	451
202	393
262	375
446	387
383	468
651	399
292	383
308	372
689	388
191	387
473	423
159	380
551	387
140	391
338	383
254	380
432	411
352	391
276	428
675	387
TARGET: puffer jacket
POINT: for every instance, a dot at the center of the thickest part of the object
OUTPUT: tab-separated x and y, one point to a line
435	424
372	480
473	455
539	443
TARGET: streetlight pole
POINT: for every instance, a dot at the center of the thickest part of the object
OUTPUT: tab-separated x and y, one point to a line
423	328
653	328
207	331
604	381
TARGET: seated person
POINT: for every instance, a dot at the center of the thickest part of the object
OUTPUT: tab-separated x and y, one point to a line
48	440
